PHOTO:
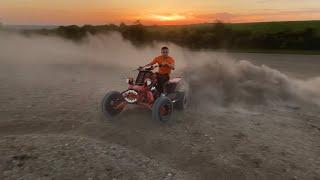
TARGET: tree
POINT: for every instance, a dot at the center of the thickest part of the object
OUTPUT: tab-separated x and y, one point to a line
136	33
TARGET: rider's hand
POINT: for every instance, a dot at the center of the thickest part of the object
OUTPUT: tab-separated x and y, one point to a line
164	64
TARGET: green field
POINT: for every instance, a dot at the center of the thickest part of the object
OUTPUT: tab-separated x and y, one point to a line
270	27
277	26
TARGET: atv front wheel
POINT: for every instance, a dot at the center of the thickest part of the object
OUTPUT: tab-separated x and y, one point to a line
162	109
111	104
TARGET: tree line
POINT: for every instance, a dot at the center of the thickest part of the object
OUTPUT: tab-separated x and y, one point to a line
215	36
220	36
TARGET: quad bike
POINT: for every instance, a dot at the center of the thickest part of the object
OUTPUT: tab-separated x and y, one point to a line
143	92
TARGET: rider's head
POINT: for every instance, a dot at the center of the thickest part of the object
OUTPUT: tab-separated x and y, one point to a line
164	51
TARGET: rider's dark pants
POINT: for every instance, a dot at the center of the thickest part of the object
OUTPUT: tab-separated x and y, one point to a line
162	79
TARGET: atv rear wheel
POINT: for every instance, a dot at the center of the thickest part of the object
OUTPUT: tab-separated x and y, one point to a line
111	104
162	109
181	101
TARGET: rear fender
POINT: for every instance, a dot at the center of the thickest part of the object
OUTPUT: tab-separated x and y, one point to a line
175	80
172	84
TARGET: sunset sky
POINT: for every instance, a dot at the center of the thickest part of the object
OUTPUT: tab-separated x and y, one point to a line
63	12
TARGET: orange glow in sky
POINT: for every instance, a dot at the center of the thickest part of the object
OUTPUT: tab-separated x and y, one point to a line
168	17
62	12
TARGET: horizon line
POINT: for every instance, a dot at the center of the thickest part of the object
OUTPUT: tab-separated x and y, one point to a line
250	22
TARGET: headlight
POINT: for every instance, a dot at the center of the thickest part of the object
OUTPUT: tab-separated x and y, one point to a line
131	96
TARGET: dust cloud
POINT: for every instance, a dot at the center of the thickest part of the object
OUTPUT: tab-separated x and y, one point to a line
225	82
110	50
219	80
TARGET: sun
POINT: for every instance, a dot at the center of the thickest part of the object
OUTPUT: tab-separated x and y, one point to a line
173	17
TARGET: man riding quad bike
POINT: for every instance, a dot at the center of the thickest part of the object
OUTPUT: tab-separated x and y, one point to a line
155	91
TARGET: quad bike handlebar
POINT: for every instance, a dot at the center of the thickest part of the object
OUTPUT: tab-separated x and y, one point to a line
150	68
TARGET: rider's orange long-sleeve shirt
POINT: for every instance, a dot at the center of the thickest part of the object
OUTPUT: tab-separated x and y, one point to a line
160	60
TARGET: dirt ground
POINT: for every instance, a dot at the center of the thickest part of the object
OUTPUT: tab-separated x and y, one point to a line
51	127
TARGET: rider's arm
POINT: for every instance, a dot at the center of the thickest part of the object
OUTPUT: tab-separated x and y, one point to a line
171	64
154	61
